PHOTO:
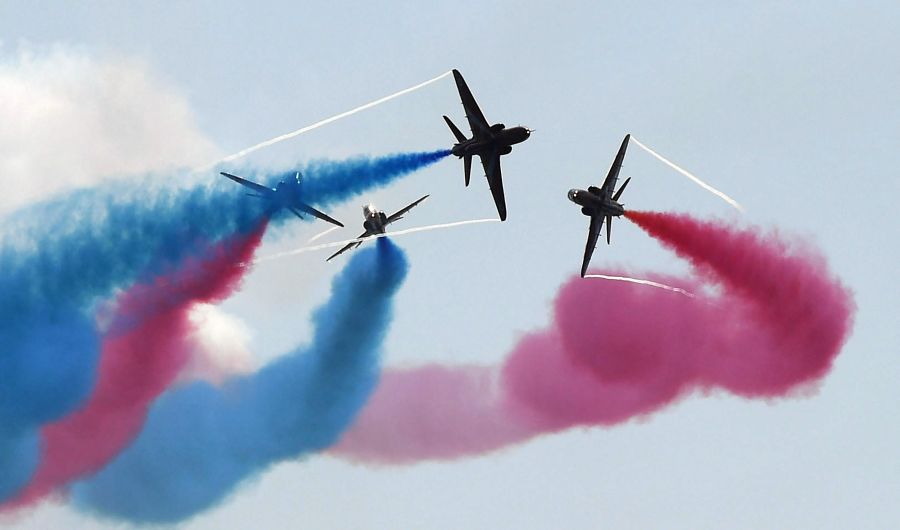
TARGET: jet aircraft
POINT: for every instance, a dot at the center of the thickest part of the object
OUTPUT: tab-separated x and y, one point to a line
286	194
375	223
488	141
600	203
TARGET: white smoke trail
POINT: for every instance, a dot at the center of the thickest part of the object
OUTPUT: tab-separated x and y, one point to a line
702	184
318	124
376	236
641	282
322	234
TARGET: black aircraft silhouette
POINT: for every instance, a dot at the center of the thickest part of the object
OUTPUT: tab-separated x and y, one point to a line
488	142
600	203
375	223
285	195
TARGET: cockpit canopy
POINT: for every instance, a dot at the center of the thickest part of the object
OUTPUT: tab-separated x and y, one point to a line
288	183
573	193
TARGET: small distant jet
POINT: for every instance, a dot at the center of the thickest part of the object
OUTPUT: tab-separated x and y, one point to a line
375	223
284	195
488	142
600	203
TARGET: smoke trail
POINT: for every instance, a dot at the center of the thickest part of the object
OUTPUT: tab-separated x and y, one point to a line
331	183
326	121
148	343
63	257
18	460
322	234
47	359
696	180
615	350
83	245
200	441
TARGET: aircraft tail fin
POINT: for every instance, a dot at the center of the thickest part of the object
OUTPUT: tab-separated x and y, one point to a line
460	137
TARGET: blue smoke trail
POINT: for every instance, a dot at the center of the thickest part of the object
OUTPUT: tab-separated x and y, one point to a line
18	460
60	258
200	442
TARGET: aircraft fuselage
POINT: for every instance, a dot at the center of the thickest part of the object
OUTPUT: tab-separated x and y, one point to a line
376	220
594	204
287	192
500	137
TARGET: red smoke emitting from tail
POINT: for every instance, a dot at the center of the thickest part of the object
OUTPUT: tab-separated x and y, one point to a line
617	350
147	345
794	317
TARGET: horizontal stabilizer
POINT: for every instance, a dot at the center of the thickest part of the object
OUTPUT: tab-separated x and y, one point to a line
619	193
460	137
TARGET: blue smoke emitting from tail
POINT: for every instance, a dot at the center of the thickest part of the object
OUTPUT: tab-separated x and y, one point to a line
61	257
199	441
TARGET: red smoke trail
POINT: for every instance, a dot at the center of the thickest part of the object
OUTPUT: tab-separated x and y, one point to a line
617	350
148	344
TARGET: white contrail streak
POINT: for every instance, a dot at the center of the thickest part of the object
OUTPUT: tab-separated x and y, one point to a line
322	234
318	124
702	184
641	282
376	236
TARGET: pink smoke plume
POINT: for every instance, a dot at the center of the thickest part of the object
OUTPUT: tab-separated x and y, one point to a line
768	319
149	341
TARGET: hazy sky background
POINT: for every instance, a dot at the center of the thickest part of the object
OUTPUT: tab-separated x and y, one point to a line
793	109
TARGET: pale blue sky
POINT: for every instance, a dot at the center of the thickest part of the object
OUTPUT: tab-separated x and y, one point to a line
794	109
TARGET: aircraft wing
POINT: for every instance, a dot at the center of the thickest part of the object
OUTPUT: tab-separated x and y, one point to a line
610	183
316	213
491	165
399	214
348	246
259	188
593	235
477	121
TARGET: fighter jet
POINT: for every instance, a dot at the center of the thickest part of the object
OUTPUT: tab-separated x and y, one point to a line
600	203
284	195
488	142
375	223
